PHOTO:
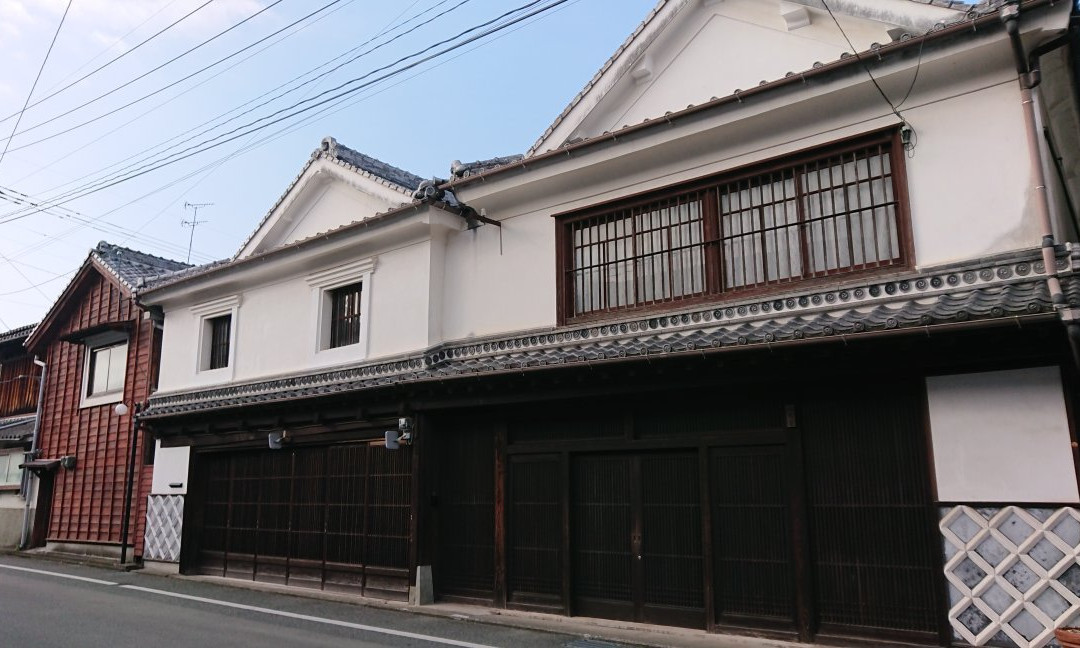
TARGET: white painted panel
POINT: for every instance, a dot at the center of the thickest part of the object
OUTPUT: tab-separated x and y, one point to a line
1001	436
170	467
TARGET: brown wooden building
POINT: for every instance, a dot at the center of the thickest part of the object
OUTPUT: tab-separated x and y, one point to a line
19	379
100	350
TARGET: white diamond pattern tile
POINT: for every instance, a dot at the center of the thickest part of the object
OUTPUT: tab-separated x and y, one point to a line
164	521
1007	572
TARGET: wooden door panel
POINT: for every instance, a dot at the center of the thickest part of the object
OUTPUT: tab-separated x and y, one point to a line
754	577
671	559
602	524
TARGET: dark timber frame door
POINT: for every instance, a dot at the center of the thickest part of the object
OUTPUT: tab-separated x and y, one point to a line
636	538
754	535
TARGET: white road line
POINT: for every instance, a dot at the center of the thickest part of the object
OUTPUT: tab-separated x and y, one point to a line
59	575
314	619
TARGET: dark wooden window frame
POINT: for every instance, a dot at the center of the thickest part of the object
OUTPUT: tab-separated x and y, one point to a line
220	329
345	314
713	280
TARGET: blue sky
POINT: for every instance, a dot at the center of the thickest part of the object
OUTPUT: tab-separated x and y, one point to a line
493	97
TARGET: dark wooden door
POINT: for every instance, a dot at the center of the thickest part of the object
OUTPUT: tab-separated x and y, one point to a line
332	517
636	549
753	567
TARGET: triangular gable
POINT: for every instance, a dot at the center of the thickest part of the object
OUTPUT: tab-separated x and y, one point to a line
689	51
337	186
91	272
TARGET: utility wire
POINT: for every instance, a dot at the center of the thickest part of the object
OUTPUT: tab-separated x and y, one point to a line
115	59
131	121
274	117
863	63
17	197
111	45
155	69
157	149
247	148
36	79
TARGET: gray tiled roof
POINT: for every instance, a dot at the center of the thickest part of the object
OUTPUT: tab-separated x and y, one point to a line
16	333
133	267
378	168
1008	288
17	428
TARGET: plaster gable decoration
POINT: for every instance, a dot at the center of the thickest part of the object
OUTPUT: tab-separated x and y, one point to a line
913	17
331	162
795	16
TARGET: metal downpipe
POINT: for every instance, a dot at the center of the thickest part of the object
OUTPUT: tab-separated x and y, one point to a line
1029	76
24	537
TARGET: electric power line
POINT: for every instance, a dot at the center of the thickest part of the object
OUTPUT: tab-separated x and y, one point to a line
112	45
247	148
145	74
18	118
271	120
157	149
114	59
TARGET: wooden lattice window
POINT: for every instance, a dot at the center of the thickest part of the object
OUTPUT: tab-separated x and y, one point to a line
220	329
345	315
819	214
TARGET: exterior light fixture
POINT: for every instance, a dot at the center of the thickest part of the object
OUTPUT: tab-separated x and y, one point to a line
120	409
277	439
403	435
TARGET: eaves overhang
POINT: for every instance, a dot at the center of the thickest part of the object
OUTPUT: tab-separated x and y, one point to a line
1006	290
741	99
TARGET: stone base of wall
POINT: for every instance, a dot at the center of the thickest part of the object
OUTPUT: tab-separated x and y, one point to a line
94	551
1013	573
164	524
11	521
159	568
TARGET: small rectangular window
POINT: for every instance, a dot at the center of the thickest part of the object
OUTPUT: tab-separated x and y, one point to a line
220	328
108	365
10	473
345	315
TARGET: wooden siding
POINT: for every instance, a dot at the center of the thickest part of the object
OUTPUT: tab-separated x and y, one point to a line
88	502
18	385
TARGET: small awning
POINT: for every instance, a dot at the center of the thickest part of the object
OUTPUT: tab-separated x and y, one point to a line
82	334
38	466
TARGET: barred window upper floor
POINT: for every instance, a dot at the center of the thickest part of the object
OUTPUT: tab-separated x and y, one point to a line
826	212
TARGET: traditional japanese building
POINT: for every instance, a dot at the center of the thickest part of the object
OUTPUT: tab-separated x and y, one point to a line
19	381
761	335
101	351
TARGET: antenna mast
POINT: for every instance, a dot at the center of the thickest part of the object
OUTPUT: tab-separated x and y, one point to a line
193	222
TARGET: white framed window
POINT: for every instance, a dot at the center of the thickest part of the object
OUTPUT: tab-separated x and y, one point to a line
341	317
104	369
216	336
10	473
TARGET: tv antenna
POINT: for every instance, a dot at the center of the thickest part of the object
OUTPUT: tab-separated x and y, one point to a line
193	223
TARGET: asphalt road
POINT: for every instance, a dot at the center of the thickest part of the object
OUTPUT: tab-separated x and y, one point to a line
48	604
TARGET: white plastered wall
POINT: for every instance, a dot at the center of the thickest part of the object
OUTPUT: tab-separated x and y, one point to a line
170	467
276	322
967	198
1001	436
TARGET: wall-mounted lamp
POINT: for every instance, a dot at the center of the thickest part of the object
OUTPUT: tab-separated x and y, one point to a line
908	136
67	462
277	439
120	409
403	435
